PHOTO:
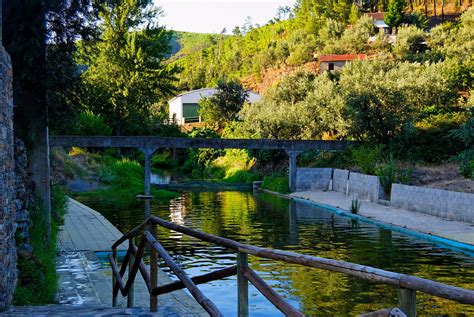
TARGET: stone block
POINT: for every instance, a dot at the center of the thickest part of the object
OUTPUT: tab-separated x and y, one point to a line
441	203
313	178
365	187
340	180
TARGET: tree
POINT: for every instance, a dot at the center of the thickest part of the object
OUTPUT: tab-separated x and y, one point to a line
223	107
126	75
394	16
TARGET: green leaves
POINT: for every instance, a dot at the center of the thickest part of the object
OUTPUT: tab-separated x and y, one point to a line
126	66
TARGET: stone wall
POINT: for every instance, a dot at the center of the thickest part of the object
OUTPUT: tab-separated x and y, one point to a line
8	256
339	181
313	178
366	187
437	202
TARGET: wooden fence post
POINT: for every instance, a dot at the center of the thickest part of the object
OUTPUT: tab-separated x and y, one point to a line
242	285
130	295
153	272
114	297
407	301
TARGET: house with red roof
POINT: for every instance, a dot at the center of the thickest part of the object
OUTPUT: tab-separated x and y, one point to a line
335	62
379	22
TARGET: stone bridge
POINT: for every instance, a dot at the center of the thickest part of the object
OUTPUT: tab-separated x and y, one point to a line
150	144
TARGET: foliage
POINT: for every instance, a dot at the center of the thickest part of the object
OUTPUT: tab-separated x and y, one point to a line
37	277
87	123
394	15
125	178
276	183
410	43
466	163
430	139
417	19
391	172
126	76
366	157
355	206
299	107
223	106
198	159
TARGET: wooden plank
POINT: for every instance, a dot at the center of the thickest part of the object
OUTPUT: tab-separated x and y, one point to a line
201	279
143	270
242	285
116	273
407	301
206	303
153	273
131	279
270	294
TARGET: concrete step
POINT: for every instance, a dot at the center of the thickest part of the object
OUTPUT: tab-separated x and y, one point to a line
74	310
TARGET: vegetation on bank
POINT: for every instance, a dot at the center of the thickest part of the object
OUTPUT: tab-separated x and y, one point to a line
276	183
37	277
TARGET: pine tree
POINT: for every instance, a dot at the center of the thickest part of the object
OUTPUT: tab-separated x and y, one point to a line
394	16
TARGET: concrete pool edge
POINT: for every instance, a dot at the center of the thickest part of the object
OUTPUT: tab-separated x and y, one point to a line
452	244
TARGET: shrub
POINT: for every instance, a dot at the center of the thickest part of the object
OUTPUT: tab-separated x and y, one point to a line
366	158
88	123
355	206
390	172
276	183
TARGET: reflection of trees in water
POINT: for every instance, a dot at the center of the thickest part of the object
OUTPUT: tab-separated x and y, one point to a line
266	220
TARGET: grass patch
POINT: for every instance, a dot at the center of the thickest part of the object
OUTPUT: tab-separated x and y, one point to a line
234	167
276	183
37	279
125	178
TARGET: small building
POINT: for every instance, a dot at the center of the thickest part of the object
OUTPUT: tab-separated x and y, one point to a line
184	108
379	22
335	62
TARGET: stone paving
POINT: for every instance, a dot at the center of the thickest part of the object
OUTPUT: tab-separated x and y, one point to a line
87	230
454	230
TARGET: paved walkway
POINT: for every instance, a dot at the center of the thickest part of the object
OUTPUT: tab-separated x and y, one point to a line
419	222
85	280
87	230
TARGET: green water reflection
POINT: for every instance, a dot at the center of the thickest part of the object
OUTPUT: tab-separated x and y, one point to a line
268	221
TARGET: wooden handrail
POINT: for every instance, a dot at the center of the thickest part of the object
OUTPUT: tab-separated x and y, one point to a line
201	279
371	274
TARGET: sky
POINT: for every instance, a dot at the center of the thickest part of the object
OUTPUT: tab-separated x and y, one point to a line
213	15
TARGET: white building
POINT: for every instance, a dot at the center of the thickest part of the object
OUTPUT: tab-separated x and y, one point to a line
379	22
184	108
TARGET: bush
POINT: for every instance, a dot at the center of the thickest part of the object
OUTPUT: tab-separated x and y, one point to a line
410	42
276	183
430	140
88	123
366	158
389	173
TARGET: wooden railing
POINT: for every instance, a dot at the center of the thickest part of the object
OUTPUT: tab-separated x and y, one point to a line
407	285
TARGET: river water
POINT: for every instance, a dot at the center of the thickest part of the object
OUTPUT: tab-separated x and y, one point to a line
265	220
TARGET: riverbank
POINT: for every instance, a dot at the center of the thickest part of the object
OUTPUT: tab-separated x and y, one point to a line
455	234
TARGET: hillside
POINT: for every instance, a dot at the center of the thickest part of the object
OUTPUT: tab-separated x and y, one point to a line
258	56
